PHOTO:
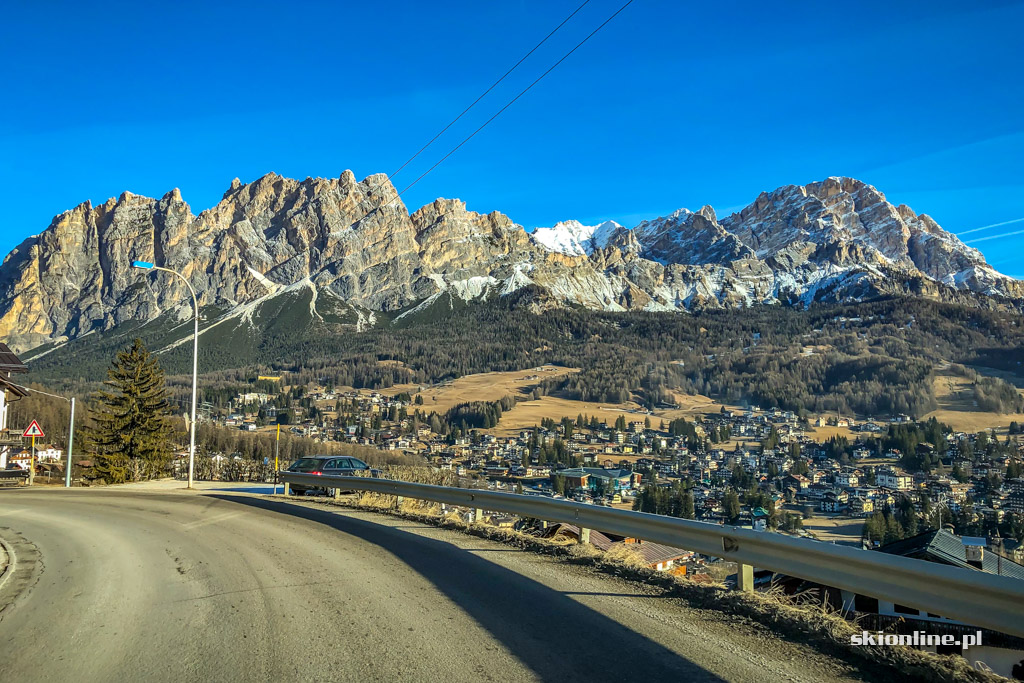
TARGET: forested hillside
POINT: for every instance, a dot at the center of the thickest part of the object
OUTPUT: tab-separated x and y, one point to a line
869	358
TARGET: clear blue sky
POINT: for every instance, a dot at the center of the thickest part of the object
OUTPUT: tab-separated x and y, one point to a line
672	104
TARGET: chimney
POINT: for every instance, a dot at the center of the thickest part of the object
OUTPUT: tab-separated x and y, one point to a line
975	556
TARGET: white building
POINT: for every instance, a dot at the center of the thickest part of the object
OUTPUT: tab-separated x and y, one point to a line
49	454
892	479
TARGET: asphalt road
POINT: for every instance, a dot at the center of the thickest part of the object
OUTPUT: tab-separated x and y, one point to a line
222	585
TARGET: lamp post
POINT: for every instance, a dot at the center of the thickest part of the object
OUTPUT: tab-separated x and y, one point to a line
145	265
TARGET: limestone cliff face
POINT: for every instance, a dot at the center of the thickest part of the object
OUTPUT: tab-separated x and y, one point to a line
845	211
836	240
352	237
690	239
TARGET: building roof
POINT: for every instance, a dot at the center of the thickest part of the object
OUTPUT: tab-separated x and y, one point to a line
10	362
652	553
597	539
579	472
947	548
12	388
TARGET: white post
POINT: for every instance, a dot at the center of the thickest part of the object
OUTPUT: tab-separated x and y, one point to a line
71	442
277	453
744	577
195	378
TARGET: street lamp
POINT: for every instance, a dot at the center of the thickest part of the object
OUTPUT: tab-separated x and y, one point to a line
145	265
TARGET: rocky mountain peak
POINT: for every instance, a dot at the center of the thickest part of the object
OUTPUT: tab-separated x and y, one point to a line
846	209
708	213
236	185
573	238
355	242
689	238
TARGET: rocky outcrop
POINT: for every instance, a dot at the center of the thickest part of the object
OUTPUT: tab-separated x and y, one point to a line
834	240
354	238
690	239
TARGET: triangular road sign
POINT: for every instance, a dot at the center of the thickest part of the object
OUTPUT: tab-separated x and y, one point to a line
34	430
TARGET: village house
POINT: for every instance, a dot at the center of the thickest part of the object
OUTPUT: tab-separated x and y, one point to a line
894	479
10	364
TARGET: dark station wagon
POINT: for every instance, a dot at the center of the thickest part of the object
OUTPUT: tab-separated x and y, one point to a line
329	465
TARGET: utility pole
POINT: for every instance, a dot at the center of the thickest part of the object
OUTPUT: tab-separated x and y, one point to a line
277	452
71	432
71	443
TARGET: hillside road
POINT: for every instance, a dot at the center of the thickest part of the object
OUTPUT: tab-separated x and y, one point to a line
223	584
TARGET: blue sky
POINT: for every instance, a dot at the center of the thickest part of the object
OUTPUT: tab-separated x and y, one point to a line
670	105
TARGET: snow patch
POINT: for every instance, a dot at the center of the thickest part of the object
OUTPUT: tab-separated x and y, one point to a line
244	312
574	238
517	280
263	280
423	305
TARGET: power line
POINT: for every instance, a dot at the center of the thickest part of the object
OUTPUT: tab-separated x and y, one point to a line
44	393
499	112
986	227
995	237
513	100
493	85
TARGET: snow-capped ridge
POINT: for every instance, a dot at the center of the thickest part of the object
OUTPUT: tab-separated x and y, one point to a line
573	238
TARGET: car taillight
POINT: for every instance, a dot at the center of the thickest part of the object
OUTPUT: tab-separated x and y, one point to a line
317	473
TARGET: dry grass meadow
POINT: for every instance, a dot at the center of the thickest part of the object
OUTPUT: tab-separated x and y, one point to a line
956	405
484	386
958	409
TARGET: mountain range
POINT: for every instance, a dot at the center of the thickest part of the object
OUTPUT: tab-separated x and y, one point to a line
359	258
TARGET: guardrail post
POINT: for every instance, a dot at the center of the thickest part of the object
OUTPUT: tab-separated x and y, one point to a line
744	578
849	600
584	535
287	489
337	494
478	516
398	502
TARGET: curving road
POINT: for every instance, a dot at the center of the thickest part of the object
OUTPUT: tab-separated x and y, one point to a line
223	585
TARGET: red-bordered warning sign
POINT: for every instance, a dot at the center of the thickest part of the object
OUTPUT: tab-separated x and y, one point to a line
34	430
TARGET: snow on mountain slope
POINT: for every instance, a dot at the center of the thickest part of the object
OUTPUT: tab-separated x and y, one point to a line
573	238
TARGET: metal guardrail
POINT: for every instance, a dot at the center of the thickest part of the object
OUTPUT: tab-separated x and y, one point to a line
974	597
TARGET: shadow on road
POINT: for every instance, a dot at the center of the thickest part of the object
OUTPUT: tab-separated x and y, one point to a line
265	489
549	632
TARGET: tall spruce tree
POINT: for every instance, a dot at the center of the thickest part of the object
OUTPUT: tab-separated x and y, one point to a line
731	507
687	511
131	437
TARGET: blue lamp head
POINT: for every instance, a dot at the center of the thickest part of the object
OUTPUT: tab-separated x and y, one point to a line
143	264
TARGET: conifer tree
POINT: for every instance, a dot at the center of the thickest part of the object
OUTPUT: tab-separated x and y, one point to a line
687	511
731	507
131	437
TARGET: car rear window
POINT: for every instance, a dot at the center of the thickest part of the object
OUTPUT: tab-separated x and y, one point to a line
305	465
